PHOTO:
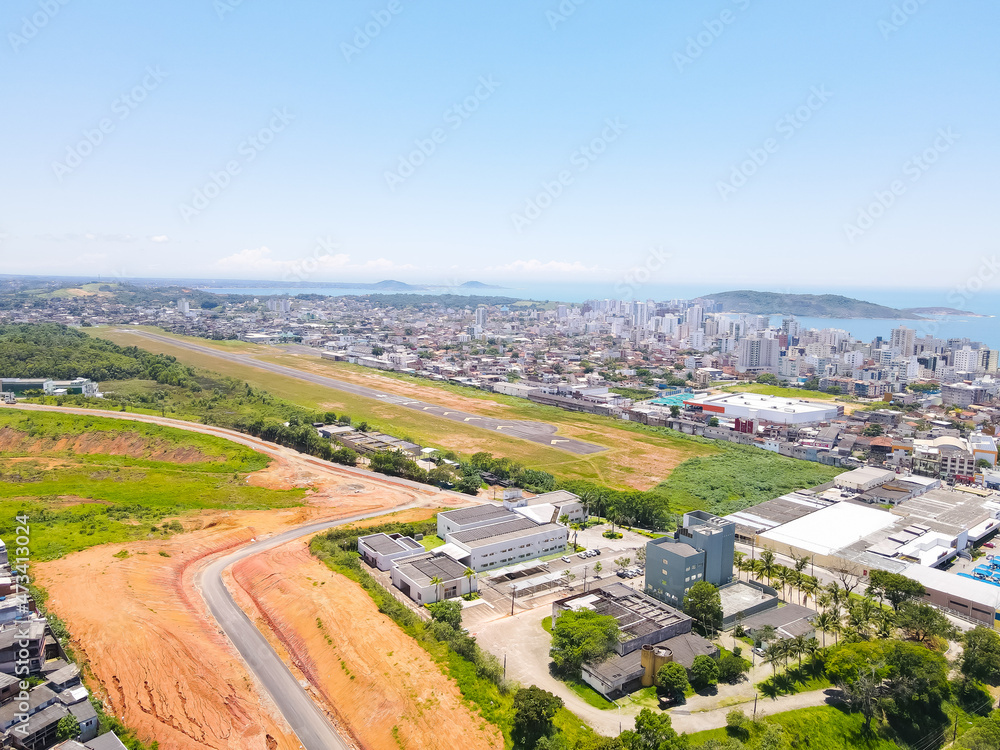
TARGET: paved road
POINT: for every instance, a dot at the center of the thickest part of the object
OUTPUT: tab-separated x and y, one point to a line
296	705
306	719
535	432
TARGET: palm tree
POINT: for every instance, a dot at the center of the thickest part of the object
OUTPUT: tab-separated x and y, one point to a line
861	615
809	586
782	575
824	623
800	563
738	558
797	647
837	596
767	564
469	574
885	621
436	582
773	654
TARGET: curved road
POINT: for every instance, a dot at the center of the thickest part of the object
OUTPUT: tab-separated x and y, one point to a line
309	723
533	431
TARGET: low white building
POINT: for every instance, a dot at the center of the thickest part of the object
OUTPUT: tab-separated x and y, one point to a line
508	542
765	408
415	577
863	479
381	550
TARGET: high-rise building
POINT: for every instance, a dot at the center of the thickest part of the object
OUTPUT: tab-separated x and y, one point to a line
481	315
758	354
700	550
695	317
903	339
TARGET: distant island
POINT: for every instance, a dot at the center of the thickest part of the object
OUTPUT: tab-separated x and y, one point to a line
806	305
478	285
944	311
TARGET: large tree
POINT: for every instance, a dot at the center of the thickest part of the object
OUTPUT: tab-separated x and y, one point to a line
922	621
580	637
893	587
703	603
672	678
981	655
653	731
704	672
533	712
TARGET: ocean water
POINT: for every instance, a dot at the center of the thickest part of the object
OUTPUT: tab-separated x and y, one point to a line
984	303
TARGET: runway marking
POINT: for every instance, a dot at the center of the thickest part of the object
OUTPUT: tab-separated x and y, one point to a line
559	441
469	419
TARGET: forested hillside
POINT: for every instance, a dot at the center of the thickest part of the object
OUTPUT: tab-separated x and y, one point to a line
58	352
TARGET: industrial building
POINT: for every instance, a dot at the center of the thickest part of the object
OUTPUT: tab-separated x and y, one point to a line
765	408
19	387
481	538
652	634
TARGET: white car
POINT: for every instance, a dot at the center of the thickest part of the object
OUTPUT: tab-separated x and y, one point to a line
566	559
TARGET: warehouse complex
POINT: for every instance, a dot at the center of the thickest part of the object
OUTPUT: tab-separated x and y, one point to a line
477	539
875	519
766	408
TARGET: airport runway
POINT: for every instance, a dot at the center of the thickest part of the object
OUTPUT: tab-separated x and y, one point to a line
536	432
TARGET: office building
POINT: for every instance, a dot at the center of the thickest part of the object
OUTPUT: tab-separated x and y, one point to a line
700	550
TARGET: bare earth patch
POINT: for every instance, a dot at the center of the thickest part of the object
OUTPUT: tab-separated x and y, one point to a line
379	684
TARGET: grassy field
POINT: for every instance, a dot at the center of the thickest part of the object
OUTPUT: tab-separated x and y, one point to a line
816	728
637	457
85	481
690	472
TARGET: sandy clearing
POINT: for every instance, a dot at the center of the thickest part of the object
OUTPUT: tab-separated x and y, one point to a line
123	443
382	687
156	657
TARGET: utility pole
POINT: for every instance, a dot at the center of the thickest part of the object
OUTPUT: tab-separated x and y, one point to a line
505	666
512	600
755	706
585	579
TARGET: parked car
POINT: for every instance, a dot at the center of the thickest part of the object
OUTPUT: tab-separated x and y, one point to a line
566	559
989	544
758	650
583	555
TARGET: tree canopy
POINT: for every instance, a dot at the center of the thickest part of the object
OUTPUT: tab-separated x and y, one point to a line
703	603
581	637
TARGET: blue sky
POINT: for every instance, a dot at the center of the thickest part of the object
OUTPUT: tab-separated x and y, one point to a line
754	144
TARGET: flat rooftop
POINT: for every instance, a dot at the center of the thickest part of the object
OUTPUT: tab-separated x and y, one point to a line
637	614
764	403
476	514
831	528
423	568
773	513
493	533
386	545
740	596
681	549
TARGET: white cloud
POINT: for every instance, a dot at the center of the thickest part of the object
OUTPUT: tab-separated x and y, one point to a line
159	238
260	261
